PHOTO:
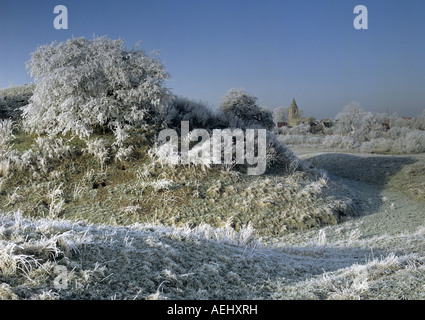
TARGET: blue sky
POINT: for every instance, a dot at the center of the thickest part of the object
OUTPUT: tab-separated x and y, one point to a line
273	49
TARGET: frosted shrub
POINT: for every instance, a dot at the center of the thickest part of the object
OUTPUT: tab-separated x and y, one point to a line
198	114
52	148
245	107
164	154
415	142
406	141
99	149
379	145
120	135
280	114
420	121
292	139
6	135
298	139
302	128
84	84
417	123
397	132
356	128
338	141
124	153
43	156
357	123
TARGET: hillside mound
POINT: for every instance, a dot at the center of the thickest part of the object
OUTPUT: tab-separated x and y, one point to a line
96	181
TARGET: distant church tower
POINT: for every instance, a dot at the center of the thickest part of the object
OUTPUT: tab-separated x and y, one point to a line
293	113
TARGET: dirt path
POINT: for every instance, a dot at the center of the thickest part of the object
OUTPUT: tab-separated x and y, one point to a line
382	187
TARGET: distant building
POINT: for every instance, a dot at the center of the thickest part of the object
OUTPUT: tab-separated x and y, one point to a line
326	123
293	116
294	119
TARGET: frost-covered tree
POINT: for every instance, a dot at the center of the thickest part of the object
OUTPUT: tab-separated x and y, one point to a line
354	121
245	107
280	114
84	84
420	121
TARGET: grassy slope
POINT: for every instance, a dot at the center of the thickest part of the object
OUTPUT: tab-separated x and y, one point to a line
139	190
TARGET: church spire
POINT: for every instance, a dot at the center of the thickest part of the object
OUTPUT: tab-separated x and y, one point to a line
293	114
294	104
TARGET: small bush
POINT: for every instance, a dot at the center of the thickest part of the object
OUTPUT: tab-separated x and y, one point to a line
198	114
410	142
6	132
245	107
340	141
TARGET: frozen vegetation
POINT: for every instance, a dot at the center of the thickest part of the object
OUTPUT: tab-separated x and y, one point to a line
360	130
92	208
151	261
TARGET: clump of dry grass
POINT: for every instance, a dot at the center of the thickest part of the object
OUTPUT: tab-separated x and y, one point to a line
31	252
